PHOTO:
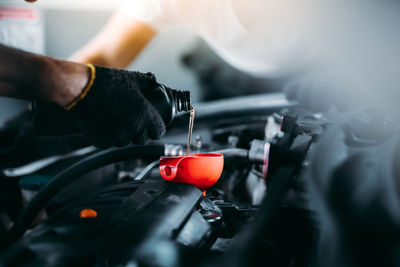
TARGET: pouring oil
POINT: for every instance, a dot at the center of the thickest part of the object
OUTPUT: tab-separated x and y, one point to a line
191	121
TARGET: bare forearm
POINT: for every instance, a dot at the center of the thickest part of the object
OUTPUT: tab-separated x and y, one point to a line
29	76
118	44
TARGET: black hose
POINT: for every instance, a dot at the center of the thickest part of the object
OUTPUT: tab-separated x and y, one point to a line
233	153
73	173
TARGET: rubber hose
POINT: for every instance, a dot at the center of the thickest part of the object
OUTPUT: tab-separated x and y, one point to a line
68	176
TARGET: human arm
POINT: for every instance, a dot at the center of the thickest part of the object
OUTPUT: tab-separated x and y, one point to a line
118	43
34	77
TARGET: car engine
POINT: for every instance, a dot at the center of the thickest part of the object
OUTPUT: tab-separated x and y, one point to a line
299	188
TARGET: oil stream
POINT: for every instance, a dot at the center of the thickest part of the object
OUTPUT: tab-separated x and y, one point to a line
191	121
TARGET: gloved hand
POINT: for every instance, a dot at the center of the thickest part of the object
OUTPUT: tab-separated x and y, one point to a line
115	112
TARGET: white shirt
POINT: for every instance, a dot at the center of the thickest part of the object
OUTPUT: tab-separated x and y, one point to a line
357	40
263	37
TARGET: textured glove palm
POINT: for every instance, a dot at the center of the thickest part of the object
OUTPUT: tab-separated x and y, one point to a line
115	112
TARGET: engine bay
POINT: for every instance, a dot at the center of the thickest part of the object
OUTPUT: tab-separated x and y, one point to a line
288	194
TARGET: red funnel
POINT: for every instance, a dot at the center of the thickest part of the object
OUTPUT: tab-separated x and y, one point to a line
200	170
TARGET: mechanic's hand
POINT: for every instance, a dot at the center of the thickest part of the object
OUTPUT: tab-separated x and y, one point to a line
115	112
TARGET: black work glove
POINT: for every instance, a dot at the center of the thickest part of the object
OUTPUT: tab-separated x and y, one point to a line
115	112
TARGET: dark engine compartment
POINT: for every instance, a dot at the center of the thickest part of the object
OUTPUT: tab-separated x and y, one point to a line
299	188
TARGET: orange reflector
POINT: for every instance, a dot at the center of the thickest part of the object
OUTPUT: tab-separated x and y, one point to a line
204	193
88	213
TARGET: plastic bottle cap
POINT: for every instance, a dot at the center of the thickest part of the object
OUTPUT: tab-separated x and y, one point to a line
88	213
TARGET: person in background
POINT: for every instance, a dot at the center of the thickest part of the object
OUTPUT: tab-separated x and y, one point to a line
318	48
260	37
276	43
